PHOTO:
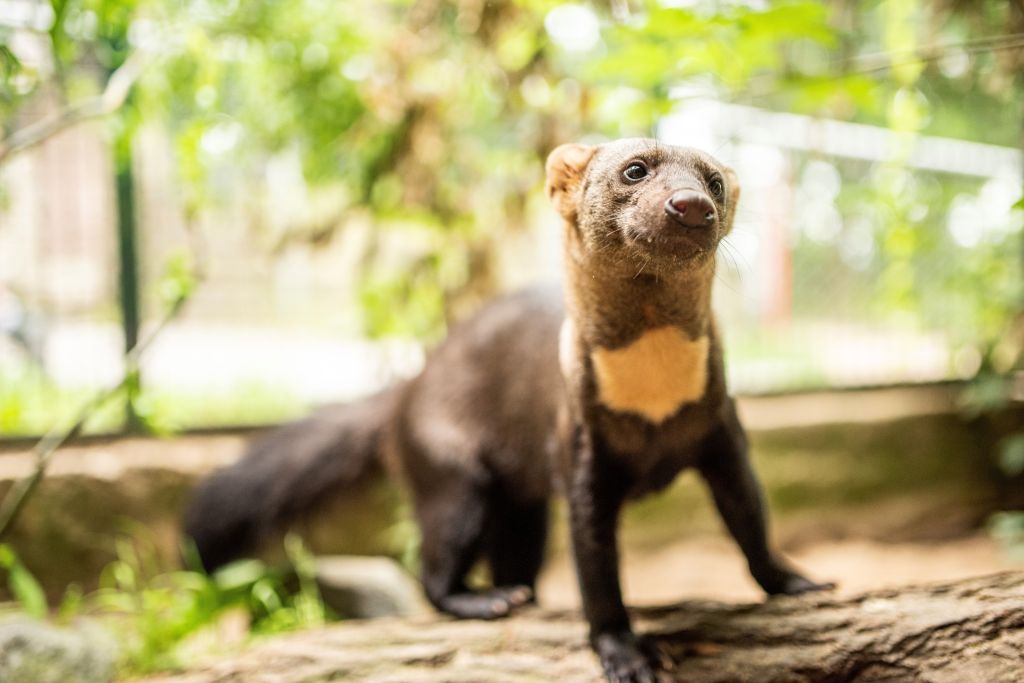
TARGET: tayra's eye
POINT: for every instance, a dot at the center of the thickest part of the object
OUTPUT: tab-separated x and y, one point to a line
635	171
716	187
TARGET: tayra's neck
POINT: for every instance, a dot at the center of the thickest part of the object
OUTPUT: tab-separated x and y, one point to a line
609	308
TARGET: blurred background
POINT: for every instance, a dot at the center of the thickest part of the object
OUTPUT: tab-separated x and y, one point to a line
288	201
330	183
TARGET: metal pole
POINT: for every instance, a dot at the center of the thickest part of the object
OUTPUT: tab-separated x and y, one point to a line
128	263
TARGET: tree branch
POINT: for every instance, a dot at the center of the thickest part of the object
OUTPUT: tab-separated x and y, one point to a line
14	501
110	100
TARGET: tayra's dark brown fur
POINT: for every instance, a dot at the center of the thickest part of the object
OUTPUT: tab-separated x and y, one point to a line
604	398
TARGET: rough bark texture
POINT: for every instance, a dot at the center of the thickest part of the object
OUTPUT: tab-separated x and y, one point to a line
957	633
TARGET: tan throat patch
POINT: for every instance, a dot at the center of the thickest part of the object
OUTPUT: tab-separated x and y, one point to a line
653	376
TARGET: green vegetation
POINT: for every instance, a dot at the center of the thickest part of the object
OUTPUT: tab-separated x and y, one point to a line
31	404
432	119
162	617
429	122
22	585
1008	528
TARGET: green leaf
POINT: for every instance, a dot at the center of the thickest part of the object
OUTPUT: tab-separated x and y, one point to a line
71	604
240	574
23	586
9	62
178	280
27	591
1011	454
264	592
1019	204
1008	529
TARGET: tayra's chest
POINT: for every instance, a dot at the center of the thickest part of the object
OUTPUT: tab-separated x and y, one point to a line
654	375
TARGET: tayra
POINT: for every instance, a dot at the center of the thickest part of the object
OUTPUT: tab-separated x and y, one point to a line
604	395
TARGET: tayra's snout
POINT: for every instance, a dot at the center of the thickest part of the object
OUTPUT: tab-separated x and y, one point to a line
691	208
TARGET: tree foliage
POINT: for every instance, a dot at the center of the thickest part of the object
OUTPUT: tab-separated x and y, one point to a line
430	119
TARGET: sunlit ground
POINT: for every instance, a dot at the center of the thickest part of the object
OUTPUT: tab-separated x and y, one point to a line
712	568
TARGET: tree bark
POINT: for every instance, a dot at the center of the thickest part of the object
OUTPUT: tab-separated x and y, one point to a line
959	632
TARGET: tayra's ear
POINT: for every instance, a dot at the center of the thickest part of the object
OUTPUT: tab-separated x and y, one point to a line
565	168
733	182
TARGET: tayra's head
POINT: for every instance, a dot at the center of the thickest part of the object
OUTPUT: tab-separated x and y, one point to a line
642	204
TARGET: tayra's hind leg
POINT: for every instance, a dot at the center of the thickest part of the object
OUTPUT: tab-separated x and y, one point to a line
453	520
516	541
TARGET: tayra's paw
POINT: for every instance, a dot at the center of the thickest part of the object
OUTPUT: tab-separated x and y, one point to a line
628	659
489	604
786	582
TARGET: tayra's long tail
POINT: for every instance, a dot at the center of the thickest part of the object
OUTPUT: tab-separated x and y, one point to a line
283	474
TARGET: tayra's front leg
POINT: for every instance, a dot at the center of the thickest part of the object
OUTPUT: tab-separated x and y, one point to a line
725	466
596	495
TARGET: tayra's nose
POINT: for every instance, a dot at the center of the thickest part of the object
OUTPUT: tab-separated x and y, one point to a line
691	208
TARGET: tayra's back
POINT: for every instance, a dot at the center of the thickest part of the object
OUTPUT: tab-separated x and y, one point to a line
488	398
484	407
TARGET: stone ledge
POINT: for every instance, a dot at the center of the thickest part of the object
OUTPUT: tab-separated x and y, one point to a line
918	455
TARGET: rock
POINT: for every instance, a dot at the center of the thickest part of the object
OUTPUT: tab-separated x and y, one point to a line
32	651
365	587
93	488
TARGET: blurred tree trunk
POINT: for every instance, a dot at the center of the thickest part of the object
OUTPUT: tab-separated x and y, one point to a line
128	289
128	264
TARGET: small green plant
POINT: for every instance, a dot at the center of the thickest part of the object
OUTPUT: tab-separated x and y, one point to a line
31	403
160	616
157	614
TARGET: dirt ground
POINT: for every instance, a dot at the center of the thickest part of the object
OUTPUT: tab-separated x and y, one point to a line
712	568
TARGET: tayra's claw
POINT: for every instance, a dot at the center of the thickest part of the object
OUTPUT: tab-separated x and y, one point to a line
791	583
519	595
625	658
654	653
489	604
797	585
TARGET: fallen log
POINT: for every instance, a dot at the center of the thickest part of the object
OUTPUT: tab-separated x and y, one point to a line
971	630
